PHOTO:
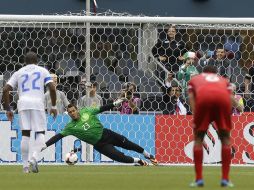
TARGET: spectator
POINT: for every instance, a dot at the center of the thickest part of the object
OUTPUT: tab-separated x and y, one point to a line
170	80
169	51
61	99
187	70
222	62
249	89
175	103
204	60
93	100
82	86
169	102
132	104
237	102
181	106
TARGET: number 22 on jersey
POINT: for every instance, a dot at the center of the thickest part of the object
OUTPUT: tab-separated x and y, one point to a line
34	79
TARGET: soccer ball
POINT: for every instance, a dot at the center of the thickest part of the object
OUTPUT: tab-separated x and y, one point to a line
71	158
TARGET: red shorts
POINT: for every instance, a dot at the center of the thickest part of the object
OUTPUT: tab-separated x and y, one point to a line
211	109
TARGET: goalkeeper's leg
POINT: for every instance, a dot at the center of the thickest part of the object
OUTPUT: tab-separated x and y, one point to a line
121	141
110	151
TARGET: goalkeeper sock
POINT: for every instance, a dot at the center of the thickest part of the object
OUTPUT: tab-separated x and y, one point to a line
39	143
25	150
136	160
226	159
198	160
146	154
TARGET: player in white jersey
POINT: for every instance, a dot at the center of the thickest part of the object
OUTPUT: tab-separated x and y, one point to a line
30	82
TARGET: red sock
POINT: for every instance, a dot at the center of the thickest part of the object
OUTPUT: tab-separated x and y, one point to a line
226	160
198	160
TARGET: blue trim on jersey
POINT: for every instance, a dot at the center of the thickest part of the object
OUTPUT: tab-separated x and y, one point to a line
47	79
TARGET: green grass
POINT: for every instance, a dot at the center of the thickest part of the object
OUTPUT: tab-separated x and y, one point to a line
118	178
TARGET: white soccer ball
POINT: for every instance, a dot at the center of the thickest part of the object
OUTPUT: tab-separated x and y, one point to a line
71	158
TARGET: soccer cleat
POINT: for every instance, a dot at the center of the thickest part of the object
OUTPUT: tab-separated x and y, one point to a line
198	183
142	163
34	166
26	170
152	160
226	183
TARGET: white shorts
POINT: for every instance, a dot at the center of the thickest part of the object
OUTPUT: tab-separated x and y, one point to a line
33	120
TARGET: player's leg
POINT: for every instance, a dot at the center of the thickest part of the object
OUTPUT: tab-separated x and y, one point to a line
25	150
38	122
24	123
123	142
110	151
223	121
202	118
198	158
225	157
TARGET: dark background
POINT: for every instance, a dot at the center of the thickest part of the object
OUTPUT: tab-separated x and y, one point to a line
178	8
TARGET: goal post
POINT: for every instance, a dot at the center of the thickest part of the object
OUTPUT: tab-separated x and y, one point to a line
114	50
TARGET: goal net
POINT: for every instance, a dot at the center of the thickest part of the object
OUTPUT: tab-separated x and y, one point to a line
111	52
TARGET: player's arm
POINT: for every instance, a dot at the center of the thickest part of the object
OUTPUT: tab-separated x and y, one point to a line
191	96
108	107
6	97
53	140
192	102
6	101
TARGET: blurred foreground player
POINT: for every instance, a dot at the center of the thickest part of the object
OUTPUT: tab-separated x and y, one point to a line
210	99
87	127
30	81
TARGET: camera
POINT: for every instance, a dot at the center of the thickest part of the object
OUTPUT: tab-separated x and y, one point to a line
128	94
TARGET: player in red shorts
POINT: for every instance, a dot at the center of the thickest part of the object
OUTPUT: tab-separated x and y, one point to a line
211	101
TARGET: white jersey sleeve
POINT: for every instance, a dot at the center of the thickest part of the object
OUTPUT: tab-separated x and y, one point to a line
31	81
13	81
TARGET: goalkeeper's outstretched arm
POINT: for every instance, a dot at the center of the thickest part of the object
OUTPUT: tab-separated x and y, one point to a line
52	140
108	107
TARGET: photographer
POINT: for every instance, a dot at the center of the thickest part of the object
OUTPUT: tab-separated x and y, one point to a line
132	105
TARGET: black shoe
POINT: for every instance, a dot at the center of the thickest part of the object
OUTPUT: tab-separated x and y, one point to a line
142	163
152	160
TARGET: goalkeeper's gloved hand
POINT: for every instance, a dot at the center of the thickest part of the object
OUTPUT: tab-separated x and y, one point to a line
119	101
44	147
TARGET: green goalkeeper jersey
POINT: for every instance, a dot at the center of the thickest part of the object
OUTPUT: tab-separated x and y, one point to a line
88	128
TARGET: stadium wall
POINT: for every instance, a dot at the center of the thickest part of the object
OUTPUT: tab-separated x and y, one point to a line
190	8
168	137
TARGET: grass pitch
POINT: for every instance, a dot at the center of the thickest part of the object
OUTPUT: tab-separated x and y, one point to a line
118	178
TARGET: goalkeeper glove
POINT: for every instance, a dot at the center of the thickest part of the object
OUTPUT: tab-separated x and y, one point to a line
119	101
43	148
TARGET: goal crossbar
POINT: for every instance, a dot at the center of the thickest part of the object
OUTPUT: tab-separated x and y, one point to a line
125	19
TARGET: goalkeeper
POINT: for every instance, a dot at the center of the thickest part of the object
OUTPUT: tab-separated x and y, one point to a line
86	126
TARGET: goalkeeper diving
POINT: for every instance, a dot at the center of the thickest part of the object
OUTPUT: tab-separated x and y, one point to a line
86	126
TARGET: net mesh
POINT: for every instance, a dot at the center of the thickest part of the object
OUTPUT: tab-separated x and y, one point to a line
122	54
